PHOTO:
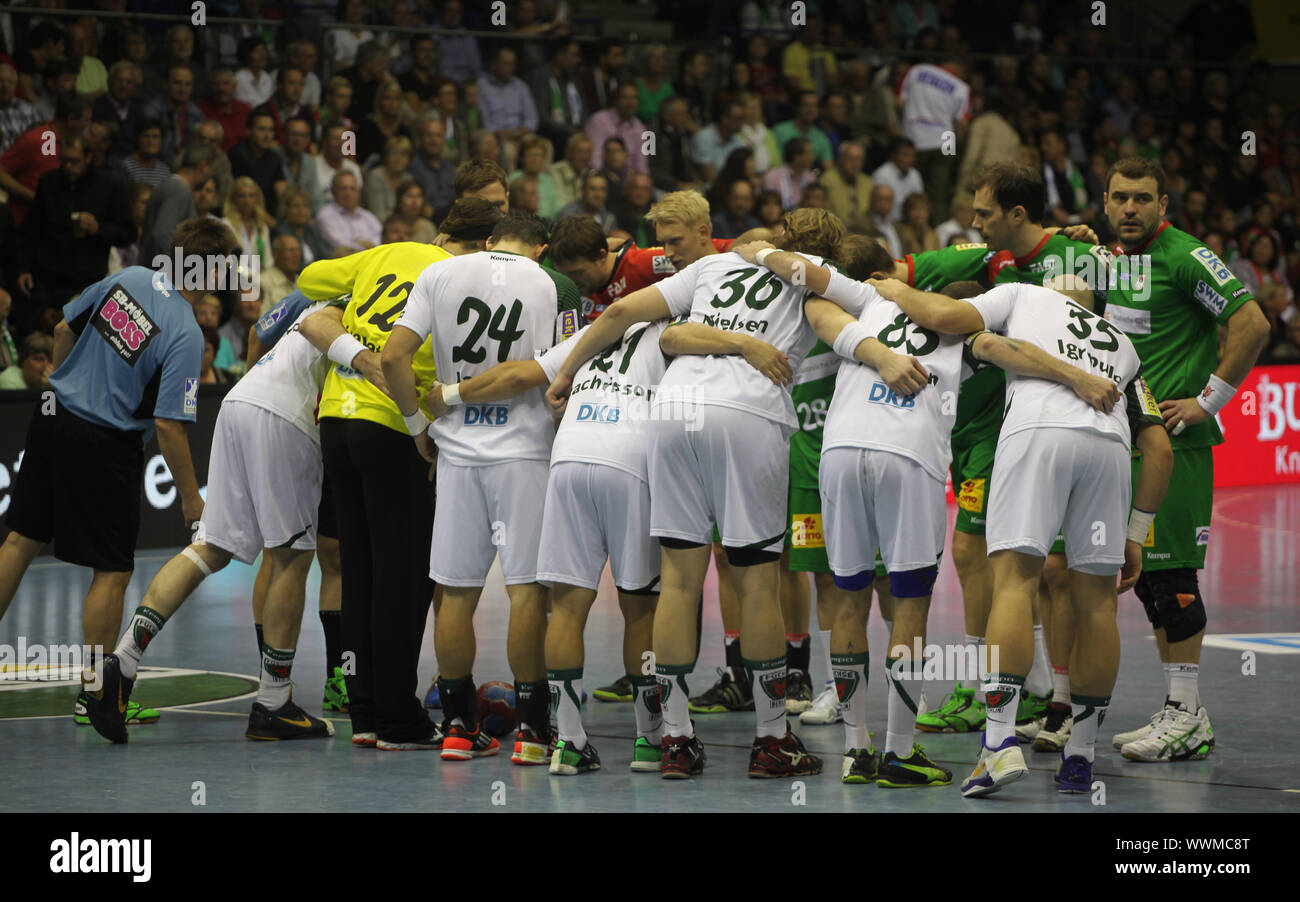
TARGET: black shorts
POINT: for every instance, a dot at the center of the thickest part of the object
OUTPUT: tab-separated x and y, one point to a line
327	524
79	487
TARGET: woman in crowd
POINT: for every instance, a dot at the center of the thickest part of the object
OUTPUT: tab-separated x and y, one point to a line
379	195
295	220
246	214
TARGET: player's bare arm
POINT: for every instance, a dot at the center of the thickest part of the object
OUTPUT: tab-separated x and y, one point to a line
1148	494
904	375
932	311
324	327
643	306
697	338
255	349
793	268
64	341
1077	232
175	446
1025	359
1247	333
396	363
502	382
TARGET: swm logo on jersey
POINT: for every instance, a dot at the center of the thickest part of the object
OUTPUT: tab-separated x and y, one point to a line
1210	299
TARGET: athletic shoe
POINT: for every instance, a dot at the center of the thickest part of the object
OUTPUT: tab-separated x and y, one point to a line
683	757
995	768
432	699
859	766
725	695
365	740
960	712
1055	728
533	748
108	707
460	744
1182	735
798	692
1074	774
1122	739
783	756
1031	706
286	722
1028	732
914	770
569	762
826	709
336	693
621	690
646	756
136	713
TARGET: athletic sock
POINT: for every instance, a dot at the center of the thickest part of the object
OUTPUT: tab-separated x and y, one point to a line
274	686
1061	684
145	624
731	647
460	702
649	712
904	688
825	637
798	652
260	642
981	665
1168	669
332	624
673	700
566	695
768	681
533	703
1002	695
1183	687
851	681
1088	711
1039	678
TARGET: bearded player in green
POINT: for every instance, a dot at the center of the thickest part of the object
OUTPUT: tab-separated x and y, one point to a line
1009	200
1172	308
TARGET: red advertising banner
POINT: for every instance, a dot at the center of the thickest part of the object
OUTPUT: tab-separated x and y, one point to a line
1261	430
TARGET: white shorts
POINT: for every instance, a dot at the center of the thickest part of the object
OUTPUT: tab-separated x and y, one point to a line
594	512
877	499
264	478
1052	480
483	511
733	471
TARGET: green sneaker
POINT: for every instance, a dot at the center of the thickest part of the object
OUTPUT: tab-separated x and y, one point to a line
859	766
914	770
336	693
136	713
646	756
1031	707
569	762
959	713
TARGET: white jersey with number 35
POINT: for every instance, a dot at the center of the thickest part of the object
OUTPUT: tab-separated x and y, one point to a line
483	309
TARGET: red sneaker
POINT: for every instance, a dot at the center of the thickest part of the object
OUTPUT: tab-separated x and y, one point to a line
683	757
783	757
533	748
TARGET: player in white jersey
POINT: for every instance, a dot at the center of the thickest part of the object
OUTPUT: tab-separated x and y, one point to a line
480	310
885	452
1059	463
597	509
720	453
264	482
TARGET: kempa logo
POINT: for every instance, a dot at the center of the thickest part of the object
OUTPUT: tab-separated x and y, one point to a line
52	663
189	272
944	662
103	856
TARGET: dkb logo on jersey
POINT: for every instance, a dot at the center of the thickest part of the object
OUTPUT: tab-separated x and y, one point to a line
125	325
806	531
598	413
486	415
883	394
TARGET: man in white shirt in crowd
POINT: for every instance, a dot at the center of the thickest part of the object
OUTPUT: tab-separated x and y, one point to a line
936	112
346	225
900	174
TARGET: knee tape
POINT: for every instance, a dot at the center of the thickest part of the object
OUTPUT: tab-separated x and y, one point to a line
198	561
913	583
1172	599
855	583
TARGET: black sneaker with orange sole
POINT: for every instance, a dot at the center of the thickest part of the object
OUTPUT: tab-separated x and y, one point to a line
773	757
683	757
107	706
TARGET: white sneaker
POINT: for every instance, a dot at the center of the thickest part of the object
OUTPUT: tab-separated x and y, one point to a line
826	708
1028	732
1122	739
1054	729
1182	735
995	769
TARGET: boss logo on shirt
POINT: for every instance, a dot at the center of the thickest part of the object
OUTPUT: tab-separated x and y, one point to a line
486	415
124	324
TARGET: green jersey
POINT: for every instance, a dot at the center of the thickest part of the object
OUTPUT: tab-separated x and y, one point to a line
931	270
814	384
1170	296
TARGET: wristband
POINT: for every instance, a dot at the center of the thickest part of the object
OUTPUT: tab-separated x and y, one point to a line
1139	525
1215	395
344	349
451	395
416	423
849	338
763	255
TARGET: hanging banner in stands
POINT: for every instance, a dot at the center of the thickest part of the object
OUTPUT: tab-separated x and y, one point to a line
1261	429
161	522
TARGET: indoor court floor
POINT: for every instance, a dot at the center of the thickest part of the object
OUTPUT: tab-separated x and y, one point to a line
1248	672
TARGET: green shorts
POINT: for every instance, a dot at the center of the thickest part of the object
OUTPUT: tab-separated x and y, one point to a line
971	470
805	536
881	572
1181	531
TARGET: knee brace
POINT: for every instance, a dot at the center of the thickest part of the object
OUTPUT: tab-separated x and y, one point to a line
1172	599
855	583
913	583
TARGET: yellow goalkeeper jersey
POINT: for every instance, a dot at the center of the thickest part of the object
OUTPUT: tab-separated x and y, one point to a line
379	280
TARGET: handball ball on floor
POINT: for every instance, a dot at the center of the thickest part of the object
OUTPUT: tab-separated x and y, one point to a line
496	707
